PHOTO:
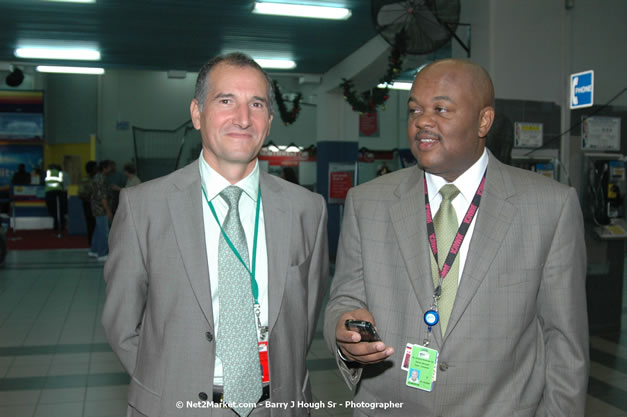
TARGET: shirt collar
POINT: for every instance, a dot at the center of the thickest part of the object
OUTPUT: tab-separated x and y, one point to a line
214	183
467	183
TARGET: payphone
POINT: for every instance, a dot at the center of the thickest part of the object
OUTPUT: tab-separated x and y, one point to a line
607	187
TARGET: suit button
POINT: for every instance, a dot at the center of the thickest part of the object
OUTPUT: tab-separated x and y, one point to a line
202	396
209	336
443	366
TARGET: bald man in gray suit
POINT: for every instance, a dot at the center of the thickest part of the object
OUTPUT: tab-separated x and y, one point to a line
164	312
514	339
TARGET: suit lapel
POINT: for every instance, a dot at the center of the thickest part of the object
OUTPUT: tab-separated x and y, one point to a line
493	221
185	205
277	221
409	222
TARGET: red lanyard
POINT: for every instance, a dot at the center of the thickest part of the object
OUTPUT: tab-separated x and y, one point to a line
461	232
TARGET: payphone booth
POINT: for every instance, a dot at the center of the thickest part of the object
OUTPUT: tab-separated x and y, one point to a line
604	187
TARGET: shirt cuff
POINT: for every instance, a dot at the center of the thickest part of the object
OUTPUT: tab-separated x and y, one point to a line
347	362
339	353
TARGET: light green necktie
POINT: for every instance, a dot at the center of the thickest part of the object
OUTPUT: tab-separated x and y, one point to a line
237	334
445	223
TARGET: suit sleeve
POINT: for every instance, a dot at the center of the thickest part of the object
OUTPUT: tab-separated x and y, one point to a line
563	315
348	290
127	285
318	275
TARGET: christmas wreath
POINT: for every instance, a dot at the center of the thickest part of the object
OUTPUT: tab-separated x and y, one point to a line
288	116
370	100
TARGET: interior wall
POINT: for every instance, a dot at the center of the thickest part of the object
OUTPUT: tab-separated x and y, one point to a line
598	33
392	124
531	47
336	120
147	99
303	131
527	50
71	103
344	122
477	14
151	100
55	154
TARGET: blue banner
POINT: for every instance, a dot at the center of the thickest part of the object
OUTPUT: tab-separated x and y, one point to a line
12	155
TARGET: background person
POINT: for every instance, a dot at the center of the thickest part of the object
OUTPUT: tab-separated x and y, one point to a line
85	191
35	177
101	198
21	176
56	199
131	175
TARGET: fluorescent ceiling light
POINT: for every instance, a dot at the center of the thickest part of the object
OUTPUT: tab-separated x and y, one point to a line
74	1
70	70
267	59
283	148
293	148
301	10
82	54
396	85
275	63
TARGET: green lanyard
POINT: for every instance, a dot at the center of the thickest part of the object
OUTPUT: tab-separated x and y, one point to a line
253	281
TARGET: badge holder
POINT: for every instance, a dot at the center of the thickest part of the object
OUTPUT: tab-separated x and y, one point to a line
262	333
422	368
431	316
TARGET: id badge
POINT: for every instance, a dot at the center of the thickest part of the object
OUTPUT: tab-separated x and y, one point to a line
422	368
263	359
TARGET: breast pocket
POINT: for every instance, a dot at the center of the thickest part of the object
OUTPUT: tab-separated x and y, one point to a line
518	277
297	274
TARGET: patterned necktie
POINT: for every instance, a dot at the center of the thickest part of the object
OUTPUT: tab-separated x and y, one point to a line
445	223
237	334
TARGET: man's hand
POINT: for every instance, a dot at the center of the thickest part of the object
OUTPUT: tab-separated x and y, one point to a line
350	343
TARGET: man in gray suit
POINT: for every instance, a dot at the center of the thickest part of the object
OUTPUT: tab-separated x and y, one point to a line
497	324
199	307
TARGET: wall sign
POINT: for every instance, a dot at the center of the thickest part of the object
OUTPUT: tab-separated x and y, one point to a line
341	179
582	89
527	135
600	133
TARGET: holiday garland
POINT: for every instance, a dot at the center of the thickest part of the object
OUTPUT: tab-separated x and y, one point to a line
290	116
370	100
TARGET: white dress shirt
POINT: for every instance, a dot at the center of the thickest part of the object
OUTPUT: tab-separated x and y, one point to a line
214	183
467	184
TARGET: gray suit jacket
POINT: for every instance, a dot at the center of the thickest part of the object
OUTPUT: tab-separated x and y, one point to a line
158	314
517	339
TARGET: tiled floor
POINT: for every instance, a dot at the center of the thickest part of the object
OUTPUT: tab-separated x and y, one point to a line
55	361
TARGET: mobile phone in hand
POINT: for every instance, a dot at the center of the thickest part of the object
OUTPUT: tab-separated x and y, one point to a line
365	329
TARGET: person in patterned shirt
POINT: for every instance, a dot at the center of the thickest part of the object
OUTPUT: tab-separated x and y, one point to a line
101	198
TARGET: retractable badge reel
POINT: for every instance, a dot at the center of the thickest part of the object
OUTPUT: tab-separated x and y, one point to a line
431	316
